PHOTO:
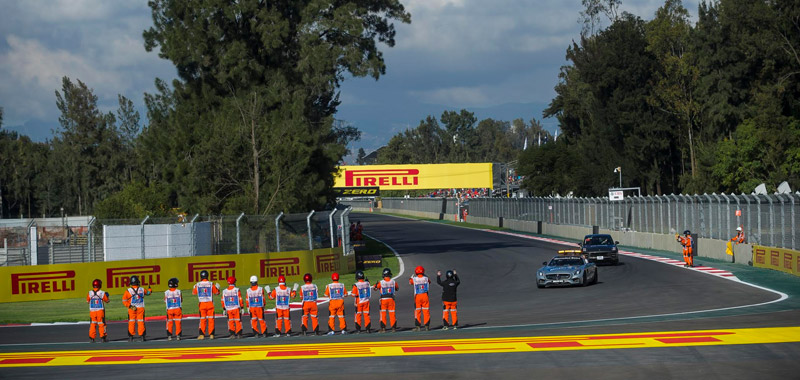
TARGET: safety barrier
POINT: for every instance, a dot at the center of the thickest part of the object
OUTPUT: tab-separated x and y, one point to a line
784	260
59	281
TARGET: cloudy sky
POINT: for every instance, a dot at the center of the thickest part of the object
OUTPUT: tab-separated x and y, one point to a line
498	58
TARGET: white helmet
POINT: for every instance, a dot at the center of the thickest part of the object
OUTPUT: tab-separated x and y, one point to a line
253	279
738	228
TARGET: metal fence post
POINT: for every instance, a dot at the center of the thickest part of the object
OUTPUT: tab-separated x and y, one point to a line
278	232
748	228
143	222
345	231
771	222
239	235
783	223
794	229
90	243
310	234
758	210
711	217
727	212
330	225
194	234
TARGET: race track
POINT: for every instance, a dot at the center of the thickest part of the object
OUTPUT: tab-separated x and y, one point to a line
498	300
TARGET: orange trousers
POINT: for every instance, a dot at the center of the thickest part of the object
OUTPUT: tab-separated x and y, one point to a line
450	308
234	321
687	256
174	317
362	309
388	307
283	324
310	310
336	309
257	320
136	317
206	318
98	318
421	304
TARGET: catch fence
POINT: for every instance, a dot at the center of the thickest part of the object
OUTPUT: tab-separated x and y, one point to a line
28	242
771	220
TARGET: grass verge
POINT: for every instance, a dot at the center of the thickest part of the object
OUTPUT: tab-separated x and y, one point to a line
76	309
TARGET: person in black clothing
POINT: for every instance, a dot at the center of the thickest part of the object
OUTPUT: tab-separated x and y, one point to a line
449	298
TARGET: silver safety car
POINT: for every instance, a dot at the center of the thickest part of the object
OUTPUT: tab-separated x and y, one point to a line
569	267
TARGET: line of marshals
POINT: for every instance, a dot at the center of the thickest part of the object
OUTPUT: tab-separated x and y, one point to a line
234	303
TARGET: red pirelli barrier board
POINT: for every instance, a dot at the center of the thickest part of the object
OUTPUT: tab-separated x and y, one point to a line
784	260
47	282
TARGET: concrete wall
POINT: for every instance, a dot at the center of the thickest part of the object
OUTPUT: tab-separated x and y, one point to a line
711	248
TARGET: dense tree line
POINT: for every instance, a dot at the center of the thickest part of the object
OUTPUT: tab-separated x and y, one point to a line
680	108
247	127
458	137
709	107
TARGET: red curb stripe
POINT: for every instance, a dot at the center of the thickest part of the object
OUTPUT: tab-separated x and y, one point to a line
26	361
429	349
555	344
113	359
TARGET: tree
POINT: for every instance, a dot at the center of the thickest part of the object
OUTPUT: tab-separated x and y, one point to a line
259	80
87	147
604	114
677	80
361	155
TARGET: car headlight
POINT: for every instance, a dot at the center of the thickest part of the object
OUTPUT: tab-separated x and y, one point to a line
614	249
577	272
541	274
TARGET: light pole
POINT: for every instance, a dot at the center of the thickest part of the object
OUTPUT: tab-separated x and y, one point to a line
618	169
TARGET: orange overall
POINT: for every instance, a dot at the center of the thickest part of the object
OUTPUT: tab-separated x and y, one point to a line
205	290
281	295
686	242
310	293
232	303
739	238
133	299
97	312
361	290
387	288
174	301
255	302
422	315
335	291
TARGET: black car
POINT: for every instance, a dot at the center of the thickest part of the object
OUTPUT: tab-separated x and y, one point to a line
600	248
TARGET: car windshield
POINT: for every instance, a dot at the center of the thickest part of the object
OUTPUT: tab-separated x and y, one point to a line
561	262
599	240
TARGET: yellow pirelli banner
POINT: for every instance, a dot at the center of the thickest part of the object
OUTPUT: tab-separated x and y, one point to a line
784	260
47	282
416	176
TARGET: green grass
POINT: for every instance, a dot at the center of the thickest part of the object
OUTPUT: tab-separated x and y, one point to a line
76	309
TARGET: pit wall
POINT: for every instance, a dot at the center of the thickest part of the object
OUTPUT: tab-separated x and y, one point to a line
705	247
60	281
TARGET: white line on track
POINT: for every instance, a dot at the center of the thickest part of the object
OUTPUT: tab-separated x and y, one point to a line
782	296
399	259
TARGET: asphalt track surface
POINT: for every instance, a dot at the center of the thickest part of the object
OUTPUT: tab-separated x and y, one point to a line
498	298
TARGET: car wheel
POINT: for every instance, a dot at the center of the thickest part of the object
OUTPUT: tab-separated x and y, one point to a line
540	286
594	280
584	282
